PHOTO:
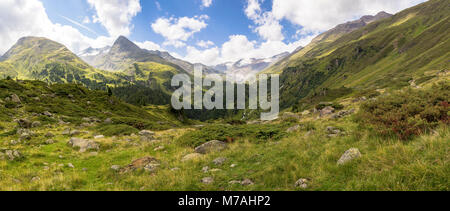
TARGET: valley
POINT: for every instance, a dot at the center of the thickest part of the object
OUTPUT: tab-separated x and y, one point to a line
364	107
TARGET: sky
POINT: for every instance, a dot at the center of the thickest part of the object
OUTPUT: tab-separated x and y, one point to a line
206	31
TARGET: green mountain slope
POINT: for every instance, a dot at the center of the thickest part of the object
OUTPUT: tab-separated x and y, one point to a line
46	60
146	82
71	103
413	45
325	39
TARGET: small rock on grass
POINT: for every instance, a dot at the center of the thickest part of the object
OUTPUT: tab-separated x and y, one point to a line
49	141
205	169
147	163
247	182
349	155
207	180
302	183
190	157
219	161
211	146
35	179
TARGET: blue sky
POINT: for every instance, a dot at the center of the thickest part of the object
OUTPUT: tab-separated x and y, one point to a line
207	31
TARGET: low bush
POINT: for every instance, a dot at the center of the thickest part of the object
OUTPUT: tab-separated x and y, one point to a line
407	113
116	130
228	133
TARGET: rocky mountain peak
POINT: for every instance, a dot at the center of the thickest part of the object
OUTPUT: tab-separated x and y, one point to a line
124	45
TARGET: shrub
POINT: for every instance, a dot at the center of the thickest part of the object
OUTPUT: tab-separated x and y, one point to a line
139	124
229	133
46	120
336	106
116	130
407	113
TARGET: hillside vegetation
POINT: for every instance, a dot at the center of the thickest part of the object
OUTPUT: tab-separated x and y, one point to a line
298	152
410	46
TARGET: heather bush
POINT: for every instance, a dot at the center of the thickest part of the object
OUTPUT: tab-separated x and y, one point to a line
407	113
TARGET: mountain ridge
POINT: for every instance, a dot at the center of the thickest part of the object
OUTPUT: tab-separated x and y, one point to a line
124	53
327	37
386	54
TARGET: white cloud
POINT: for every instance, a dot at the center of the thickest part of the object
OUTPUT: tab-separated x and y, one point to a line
205	44
321	15
209	56
253	9
116	15
177	31
149	45
267	26
206	3
239	47
28	18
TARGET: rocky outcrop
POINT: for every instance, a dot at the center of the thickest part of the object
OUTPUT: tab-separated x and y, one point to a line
149	164
211	146
83	144
343	114
147	135
326	111
11	155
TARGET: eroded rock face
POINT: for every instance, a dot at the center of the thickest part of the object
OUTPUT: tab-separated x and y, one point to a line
211	146
146	163
83	144
349	155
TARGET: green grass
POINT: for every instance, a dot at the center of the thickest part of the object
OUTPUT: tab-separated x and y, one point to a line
386	164
264	153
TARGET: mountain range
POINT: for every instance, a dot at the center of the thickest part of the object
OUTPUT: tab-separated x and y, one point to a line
124	53
374	52
244	68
